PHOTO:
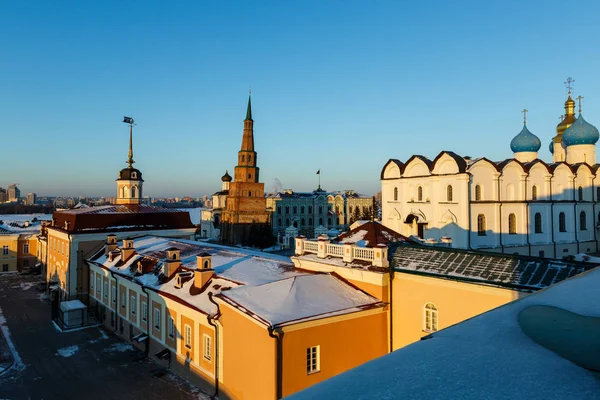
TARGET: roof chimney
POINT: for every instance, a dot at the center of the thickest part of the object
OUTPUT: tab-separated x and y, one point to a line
204	270
172	262
111	244
128	250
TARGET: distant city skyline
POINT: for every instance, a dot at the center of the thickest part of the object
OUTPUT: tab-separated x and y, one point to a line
339	87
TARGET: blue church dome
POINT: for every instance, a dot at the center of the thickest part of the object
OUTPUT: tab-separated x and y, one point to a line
580	132
525	141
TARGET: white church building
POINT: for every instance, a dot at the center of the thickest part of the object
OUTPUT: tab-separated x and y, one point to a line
520	205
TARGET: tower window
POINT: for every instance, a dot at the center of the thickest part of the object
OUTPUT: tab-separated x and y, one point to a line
243	158
420	193
580	193
538	223
249	158
249	176
534	193
249	193
481	225
449	193
562	222
395	194
133	192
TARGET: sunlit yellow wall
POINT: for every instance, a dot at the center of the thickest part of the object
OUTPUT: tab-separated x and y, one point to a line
344	344
455	302
9	261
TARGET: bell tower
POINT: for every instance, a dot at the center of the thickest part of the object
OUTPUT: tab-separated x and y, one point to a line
130	182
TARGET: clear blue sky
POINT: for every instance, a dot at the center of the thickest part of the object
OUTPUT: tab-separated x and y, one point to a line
338	85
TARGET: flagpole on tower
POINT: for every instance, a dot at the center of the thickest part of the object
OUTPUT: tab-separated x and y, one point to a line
319	173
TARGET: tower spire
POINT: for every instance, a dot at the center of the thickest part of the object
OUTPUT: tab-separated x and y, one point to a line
249	110
129	120
524	116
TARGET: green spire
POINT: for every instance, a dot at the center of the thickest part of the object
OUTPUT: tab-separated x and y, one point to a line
249	110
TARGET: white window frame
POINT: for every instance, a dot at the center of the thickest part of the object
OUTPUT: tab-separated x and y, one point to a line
156	318
26	248
313	359
187	330
171	327
105	287
124	299
430	318
133	304
207	347
144	311
114	295
98	286
92	281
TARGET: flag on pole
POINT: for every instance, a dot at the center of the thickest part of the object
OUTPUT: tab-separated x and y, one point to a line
319	172
128	120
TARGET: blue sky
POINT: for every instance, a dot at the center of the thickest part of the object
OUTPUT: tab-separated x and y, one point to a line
340	86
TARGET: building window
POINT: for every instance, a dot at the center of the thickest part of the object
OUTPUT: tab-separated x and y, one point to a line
92	282
420	193
295	209
114	295
582	221
534	193
156	318
26	262
320	209
188	336
310	222
538	223
301	209
206	347
133	304
477	192
395	194
328	221
303	223
430	323
171	327
295	224
562	222
26	248
310	209
481	225
279	222
313	359
4	250
278	209
133	191
598	194
320	221
580	193
287	222
106	290
287	209
4	267
123	299
449	193
144	312
98	284
512	224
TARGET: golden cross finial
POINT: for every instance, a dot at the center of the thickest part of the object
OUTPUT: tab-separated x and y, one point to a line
569	84
579	100
524	116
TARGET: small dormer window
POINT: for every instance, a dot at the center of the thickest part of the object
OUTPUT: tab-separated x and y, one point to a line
174	256
178	280
134	174
139	267
206	264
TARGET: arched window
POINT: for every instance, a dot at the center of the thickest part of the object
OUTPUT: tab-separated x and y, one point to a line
538	222
174	256
287	209
430	319
580	193
287	222
310	221
278	209
279	222
249	193
481	225
477	192
310	209
512	224
303	222
328	221
534	193
582	221
249	176
449	193
420	193
562	222
123	192
243	158
320	209
301	209
320	221
295	224
395	194
133	192
295	208
249	158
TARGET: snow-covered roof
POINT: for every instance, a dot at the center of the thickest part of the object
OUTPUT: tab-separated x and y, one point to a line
238	269
300	298
515	271
370	234
20	224
488	356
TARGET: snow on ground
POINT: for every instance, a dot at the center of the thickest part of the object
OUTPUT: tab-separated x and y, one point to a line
120	347
25	285
488	356
67	351
18	364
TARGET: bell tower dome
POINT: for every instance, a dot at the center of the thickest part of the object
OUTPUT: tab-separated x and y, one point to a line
130	182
